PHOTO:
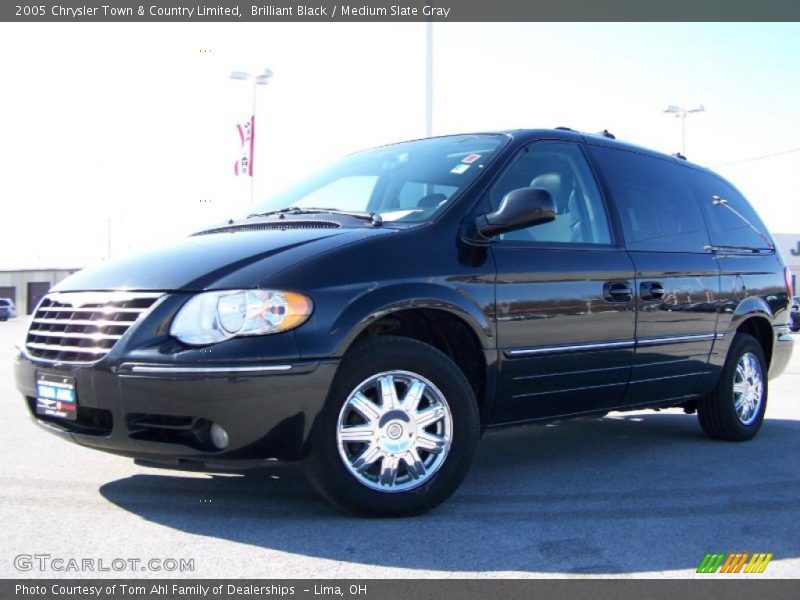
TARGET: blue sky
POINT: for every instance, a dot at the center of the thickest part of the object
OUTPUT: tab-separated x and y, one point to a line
130	124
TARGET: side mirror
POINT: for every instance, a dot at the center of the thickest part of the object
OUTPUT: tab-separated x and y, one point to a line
519	209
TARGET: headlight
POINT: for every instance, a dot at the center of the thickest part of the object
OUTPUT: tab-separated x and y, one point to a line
216	316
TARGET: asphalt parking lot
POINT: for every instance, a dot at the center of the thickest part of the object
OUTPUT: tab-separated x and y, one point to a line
630	495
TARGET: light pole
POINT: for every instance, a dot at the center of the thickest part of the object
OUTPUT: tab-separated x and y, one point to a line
680	111
429	79
255	80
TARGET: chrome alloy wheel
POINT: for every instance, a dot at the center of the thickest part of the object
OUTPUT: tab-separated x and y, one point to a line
394	431
748	388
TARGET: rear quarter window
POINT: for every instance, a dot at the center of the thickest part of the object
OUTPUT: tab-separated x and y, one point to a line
656	207
725	228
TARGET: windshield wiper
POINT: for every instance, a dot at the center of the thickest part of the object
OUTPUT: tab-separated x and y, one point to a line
374	218
290	209
738	249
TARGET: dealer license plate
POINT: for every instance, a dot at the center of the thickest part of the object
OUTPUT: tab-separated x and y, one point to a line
55	396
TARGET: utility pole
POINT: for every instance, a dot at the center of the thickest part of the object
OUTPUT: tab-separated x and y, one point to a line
429	79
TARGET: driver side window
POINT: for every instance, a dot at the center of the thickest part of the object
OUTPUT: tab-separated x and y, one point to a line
561	169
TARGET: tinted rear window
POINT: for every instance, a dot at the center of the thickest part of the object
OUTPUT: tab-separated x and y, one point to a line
4	303
725	227
656	207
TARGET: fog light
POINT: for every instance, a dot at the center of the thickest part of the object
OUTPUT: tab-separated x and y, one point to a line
219	437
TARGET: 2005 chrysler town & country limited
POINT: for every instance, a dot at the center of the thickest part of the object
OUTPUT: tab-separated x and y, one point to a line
375	319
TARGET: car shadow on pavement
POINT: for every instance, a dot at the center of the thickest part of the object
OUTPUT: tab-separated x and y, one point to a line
626	493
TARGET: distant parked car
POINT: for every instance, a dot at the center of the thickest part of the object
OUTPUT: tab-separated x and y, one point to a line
7	309
794	323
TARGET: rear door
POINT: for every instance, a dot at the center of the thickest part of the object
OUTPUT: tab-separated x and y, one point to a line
677	276
565	306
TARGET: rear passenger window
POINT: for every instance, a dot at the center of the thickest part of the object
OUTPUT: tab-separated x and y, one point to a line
724	226
655	204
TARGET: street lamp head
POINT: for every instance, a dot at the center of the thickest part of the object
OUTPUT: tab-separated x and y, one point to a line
263	79
680	110
257	80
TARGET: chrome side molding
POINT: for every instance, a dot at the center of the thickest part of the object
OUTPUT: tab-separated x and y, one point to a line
199	370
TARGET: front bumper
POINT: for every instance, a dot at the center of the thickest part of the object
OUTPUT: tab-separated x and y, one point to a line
161	413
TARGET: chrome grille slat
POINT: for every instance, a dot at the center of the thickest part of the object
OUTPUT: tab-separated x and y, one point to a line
61	348
84	326
104	309
82	336
85	322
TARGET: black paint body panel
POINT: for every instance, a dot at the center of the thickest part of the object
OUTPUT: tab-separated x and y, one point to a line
553	298
552	342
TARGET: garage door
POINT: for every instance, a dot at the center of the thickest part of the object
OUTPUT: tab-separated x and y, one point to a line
36	291
9	292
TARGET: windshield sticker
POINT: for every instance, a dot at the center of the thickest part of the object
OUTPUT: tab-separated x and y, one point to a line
471	158
396	215
459	169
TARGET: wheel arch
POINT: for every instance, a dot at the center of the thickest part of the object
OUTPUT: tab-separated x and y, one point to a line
759	327
433	314
754	317
364	311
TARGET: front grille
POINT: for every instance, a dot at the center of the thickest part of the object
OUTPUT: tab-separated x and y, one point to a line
279	225
84	326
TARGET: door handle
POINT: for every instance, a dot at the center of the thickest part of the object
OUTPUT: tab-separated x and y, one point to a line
651	290
617	291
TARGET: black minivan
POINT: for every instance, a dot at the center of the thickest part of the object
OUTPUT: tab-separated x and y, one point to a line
375	319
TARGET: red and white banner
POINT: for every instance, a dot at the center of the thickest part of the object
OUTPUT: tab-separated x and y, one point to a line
244	164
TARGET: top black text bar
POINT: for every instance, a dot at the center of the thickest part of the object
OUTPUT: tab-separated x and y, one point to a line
399	10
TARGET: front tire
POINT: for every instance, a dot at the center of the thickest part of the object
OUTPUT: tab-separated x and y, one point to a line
735	410
398	432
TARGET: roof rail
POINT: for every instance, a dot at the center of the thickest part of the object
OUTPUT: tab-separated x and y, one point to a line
605	133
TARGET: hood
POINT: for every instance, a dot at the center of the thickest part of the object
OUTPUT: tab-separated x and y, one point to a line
242	259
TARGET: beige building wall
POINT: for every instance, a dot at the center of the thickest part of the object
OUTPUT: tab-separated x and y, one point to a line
789	244
19	280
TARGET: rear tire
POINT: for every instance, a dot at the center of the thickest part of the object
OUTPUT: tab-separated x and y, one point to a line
734	411
398	432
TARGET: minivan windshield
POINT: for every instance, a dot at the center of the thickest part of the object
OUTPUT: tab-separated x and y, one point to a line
406	182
